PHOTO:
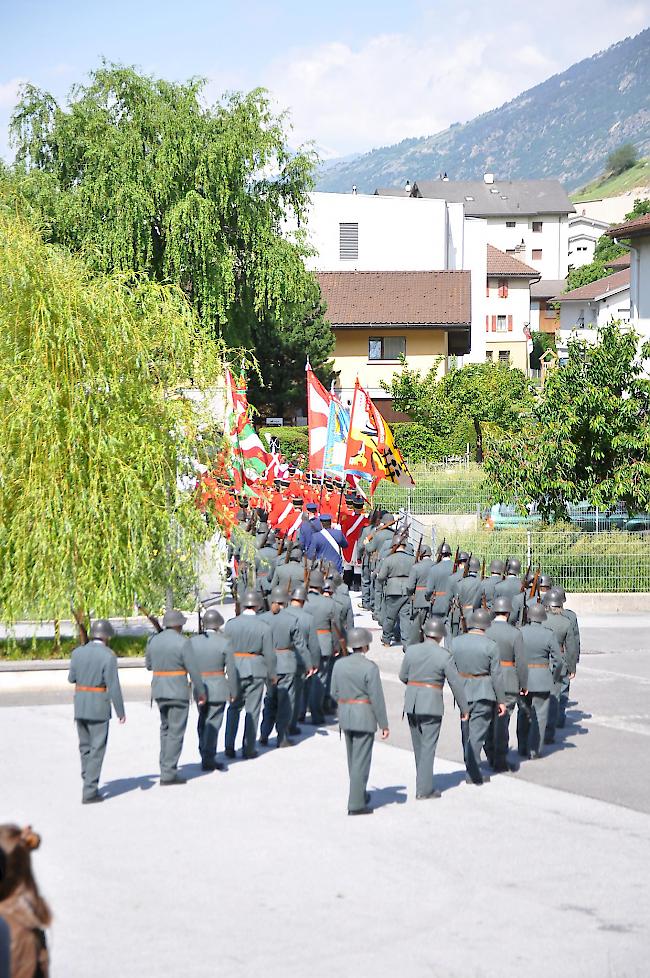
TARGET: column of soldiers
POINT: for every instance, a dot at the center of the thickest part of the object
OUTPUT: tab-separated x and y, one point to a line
292	650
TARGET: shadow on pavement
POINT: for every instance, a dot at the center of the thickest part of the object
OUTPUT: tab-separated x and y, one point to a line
451	779
123	785
393	795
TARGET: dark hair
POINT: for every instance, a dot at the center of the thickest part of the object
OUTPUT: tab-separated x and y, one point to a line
16	844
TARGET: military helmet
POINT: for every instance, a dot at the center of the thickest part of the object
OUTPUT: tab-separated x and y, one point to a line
560	590
445	550
528	577
553	598
514	565
279	595
299	593
434	628
101	628
545	580
328	587
211	619
173	618
463	557
336	579
536	612
502	605
497	567
480	618
251	599
474	565
358	638
425	551
316	580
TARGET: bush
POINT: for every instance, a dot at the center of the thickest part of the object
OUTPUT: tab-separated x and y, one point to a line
124	646
294	442
418	443
622	159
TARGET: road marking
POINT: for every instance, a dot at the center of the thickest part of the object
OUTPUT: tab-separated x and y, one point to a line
616	675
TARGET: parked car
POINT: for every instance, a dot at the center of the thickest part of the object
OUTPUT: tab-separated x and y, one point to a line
591	519
504	515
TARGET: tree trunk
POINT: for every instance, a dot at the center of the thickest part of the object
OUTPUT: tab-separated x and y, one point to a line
479	440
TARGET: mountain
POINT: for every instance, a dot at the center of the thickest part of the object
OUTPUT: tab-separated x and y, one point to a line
606	185
564	128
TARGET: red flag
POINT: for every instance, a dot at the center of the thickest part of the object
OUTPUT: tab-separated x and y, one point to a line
318	404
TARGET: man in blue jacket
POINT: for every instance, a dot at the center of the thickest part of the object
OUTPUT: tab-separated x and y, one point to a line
328	543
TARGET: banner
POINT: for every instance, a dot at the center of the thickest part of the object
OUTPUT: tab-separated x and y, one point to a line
250	461
318	409
371	447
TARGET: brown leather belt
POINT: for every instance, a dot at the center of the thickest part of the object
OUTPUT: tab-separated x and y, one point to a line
440	594
215	672
538	665
354	701
472	675
506	662
323	631
245	655
283	650
172	672
90	689
420	587
430	685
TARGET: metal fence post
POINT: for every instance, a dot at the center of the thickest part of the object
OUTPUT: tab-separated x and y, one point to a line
529	549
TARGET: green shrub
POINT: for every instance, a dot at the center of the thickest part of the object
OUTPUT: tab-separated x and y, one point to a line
124	646
294	442
418	443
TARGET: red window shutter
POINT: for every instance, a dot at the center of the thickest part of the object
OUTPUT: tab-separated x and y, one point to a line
505	290
487	323
487	290
510	324
494	324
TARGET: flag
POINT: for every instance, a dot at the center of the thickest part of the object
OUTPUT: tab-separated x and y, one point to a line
318	409
249	459
371	447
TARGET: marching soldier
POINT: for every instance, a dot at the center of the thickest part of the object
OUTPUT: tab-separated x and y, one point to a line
290	649
561	627
573	655
416	586
509	642
291	573
255	660
510	585
439	584
497	567
357	688
394	576
93	669
543	661
323	611
461	572
477	661
216	663
343	602
171	658
424	669
366	597
467	590
266	559
309	661
373	543
525	597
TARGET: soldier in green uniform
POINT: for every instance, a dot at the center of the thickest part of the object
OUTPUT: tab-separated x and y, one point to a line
290	649
543	661
510	585
216	663
290	573
416	587
525	597
171	658
93	669
478	663
251	640
573	655
561	627
454	618
357	688
366	597
467	591
309	661
497	568
343	602
508	639
393	575
322	609
438	590
424	669
266	559
372	546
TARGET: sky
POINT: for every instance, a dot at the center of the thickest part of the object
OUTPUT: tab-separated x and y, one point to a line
353	75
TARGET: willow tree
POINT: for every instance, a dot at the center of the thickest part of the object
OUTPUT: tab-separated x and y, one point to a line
139	174
94	431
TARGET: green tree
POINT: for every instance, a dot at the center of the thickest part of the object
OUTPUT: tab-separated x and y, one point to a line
641	207
605	251
541	343
589	438
94	432
622	159
140	176
485	394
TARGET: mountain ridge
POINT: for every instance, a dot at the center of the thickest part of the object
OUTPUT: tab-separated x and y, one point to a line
563	128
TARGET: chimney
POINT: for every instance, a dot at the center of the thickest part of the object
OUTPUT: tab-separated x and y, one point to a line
445	178
488	178
407	187
354	188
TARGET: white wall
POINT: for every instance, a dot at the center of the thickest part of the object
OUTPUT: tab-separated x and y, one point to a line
475	259
584	232
640	287
395	233
612	210
516	304
553	240
583	318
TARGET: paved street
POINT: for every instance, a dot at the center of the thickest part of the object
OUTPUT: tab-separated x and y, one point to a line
260	870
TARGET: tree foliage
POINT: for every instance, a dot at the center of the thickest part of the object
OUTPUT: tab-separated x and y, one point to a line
139	175
93	432
482	393
589	438
606	250
622	159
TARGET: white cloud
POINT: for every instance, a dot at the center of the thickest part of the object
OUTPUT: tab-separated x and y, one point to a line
9	92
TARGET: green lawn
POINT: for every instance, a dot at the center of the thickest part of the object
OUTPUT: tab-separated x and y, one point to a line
44	648
606	186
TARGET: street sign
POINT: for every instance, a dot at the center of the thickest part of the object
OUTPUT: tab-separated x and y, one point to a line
275	422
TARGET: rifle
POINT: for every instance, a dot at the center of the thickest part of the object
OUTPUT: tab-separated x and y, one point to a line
281	547
455	567
439	557
533	590
81	625
524	586
152	618
466	571
483	570
419	550
382	526
306	574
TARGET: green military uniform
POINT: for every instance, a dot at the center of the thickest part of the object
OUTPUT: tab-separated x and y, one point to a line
171	658
467	591
477	660
561	628
323	611
543	661
509	642
93	669
509	586
424	669
373	548
343	603
439	585
454	616
216	663
489	583
393	575
290	649
266	559
255	660
366	583
416	587
357	688
289	575
573	657
309	660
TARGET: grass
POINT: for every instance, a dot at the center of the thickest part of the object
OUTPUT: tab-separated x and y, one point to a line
17	650
608	186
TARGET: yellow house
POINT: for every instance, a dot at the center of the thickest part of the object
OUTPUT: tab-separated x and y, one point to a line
378	317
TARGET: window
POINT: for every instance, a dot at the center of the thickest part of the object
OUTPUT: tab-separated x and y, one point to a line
537	254
503	288
504	356
488	355
386	347
501	324
348	241
511	224
537	226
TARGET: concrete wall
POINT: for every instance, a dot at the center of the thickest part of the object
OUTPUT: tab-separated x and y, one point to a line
553	240
612	210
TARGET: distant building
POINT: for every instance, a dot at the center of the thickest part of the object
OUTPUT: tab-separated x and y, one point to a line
584	232
507	309
637	233
585	310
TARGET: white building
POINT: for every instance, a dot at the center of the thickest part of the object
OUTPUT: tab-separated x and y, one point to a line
585	310
507	309
637	233
584	232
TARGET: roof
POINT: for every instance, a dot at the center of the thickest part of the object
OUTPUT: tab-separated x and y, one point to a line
416	299
392	192
639	226
623	261
499	263
501	198
599	289
546	287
